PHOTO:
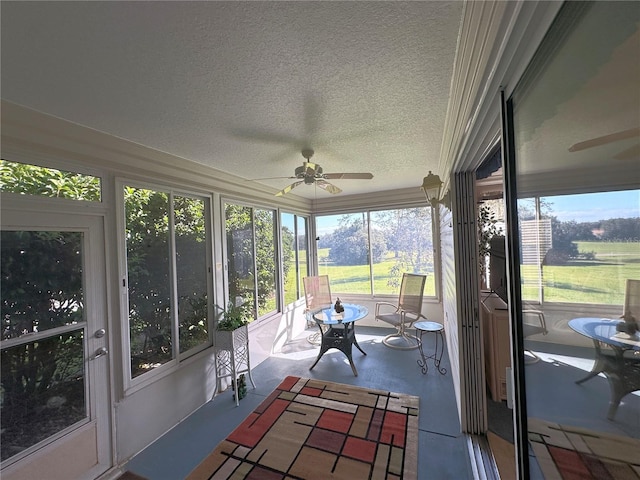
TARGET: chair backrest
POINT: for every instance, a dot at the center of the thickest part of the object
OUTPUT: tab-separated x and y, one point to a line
317	291
632	300
411	292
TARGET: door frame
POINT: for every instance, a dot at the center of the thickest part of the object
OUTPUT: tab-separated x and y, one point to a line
59	456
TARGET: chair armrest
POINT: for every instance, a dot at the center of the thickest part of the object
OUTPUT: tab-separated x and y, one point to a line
385	304
540	317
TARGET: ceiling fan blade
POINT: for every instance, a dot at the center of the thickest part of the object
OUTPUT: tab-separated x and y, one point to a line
286	190
268	178
348	176
629	153
266	136
596	142
329	187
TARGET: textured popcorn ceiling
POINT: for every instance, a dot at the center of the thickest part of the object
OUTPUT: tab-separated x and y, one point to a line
244	86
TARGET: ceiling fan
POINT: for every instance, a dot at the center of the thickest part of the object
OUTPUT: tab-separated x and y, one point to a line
311	174
629	153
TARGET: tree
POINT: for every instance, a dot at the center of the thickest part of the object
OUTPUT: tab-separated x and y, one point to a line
407	232
350	243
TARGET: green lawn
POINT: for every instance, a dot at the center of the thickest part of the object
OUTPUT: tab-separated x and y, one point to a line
600	281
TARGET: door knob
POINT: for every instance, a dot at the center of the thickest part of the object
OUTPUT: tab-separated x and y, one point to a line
101	352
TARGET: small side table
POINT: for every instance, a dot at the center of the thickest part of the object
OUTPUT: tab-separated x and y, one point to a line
438	329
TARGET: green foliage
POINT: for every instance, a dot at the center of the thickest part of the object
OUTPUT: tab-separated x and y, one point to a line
232	317
48	182
240	224
350	246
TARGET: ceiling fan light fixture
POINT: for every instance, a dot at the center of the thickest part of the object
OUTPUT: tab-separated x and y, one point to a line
432	186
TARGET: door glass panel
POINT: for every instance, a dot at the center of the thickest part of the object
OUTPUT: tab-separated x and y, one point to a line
147	237
191	268
41	281
42	380
43	390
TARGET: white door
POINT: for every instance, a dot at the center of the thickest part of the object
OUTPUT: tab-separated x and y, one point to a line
55	396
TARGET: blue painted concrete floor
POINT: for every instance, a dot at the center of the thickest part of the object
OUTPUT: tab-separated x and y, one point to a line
442	448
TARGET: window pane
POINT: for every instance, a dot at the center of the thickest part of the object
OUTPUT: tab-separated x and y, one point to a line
401	242
343	252
531	266
48	182
266	260
43	390
593	248
289	257
301	247
191	271
41	281
147	237
240	255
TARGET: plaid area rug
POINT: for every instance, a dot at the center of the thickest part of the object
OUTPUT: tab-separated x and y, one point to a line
312	429
566	453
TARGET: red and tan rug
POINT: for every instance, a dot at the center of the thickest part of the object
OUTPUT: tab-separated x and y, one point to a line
312	429
567	453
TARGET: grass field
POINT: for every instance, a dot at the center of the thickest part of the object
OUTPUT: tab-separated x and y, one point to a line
356	278
599	281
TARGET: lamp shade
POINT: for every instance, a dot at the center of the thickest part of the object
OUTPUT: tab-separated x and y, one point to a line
431	184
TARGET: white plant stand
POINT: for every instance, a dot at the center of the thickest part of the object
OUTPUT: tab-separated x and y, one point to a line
232	357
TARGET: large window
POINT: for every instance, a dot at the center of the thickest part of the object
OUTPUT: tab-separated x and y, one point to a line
367	252
251	258
167	240
579	248
293	234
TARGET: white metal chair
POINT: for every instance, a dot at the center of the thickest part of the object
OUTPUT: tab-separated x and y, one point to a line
405	313
317	295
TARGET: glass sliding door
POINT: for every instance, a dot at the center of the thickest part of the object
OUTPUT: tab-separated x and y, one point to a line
576	244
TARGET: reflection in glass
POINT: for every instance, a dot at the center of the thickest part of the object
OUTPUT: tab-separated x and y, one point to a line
43	390
579	225
147	237
41	281
191	271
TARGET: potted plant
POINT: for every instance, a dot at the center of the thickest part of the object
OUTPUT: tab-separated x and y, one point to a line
231	326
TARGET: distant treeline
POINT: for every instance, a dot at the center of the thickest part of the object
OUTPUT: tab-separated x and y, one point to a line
611	230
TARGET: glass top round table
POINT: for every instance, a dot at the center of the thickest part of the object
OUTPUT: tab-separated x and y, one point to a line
352	313
338	330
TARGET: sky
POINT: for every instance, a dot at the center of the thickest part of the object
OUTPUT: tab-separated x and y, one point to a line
587	207
591	207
